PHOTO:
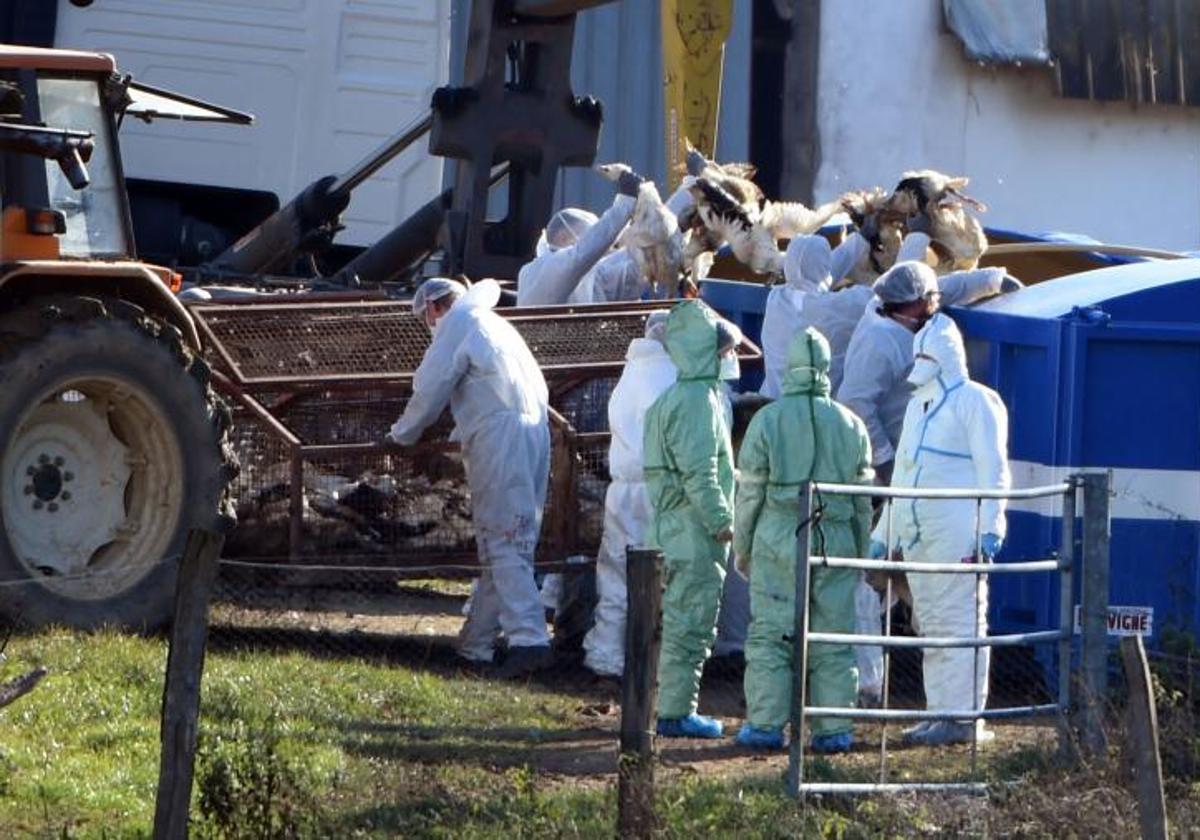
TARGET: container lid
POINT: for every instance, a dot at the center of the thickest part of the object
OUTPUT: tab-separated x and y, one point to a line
1156	279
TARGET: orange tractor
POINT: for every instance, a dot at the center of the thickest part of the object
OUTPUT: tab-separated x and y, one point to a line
113	442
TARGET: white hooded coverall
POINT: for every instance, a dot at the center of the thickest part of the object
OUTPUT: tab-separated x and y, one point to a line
810	268
874	384
480	365
587	271
955	435
648	372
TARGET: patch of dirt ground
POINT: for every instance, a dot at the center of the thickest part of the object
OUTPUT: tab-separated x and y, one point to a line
414	625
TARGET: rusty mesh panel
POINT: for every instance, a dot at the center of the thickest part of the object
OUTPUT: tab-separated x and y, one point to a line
581	339
294	343
260	490
585	407
591	481
310	341
584	403
408	510
339	417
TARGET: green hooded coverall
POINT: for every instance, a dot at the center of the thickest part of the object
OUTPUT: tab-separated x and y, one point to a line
688	463
802	435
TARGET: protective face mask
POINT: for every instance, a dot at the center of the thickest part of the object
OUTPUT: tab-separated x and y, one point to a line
433	328
924	370
730	368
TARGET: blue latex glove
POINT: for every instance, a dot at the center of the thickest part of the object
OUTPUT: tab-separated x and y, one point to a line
878	550
989	545
695	163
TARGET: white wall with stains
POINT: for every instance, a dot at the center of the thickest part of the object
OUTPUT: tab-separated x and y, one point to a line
897	93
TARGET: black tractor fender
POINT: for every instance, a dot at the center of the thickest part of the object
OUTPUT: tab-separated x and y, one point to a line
132	281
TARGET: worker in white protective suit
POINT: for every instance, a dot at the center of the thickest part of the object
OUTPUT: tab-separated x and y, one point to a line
955	436
874	384
572	243
810	269
479	365
648	372
574	261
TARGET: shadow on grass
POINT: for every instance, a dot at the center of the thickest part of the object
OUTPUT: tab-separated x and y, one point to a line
470	747
431	653
721	690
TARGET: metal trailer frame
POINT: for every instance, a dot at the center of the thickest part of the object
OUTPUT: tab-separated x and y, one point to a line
1095	594
270	355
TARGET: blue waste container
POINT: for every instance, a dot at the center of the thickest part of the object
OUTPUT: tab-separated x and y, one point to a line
743	304
1101	371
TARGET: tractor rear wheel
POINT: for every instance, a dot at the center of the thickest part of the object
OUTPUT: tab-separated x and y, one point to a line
113	448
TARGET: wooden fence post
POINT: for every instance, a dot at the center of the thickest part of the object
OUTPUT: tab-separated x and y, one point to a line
639	694
1143	740
181	692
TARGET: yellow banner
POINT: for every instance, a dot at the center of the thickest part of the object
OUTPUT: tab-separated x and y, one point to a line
694	33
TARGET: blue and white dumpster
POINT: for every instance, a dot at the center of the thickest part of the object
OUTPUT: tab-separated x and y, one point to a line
1101	371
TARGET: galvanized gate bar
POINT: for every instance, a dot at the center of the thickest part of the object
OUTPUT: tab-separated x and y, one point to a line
1066	618
1062	635
1009	712
800	642
940	493
1016	567
936	641
835	788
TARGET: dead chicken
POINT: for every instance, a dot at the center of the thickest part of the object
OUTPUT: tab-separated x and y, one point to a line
753	231
736	179
882	227
788	219
956	236
729	221
652	236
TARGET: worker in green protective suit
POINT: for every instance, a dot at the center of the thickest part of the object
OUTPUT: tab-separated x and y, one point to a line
688	466
801	436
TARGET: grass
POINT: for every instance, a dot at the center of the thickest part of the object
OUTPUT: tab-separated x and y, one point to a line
80	754
297	745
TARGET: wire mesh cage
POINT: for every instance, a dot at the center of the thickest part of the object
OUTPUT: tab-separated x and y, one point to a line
317	385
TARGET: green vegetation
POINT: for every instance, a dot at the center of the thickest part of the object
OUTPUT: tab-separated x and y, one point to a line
297	745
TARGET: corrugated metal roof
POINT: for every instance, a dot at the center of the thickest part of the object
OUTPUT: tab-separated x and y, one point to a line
618	58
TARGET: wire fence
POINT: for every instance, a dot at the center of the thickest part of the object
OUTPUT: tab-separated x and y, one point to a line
351	552
970	709
357	611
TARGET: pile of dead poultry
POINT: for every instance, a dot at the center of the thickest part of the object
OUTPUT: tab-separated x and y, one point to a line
730	209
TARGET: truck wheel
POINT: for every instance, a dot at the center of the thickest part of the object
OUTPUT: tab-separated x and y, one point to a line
113	449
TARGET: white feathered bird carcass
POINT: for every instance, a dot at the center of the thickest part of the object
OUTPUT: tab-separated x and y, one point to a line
957	236
882	227
753	231
652	237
